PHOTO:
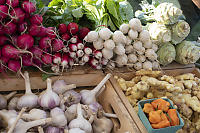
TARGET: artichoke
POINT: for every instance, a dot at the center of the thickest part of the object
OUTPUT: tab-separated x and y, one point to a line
167	13
159	32
166	54
180	31
187	52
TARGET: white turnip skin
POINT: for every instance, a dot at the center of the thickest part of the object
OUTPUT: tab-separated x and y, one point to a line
72	28
129	49
80	46
118	37
83	32
144	36
72	55
62	28
73	47
133	34
28	7
137	45
10	28
87	50
12	3
109	44
135	24
141	51
147	44
128	40
155	65
147	65
155	47
97	54
105	33
119	49
92	36
138	65
141	58
124	28
99	44
132	58
25	41
121	60
151	55
80	53
36	19
107	53
57	58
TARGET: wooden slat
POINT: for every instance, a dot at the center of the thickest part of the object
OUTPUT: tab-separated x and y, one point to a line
197	3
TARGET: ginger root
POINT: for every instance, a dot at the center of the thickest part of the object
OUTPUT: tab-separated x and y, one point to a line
188	76
169	79
192	102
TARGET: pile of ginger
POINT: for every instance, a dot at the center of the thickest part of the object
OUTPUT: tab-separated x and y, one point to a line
183	90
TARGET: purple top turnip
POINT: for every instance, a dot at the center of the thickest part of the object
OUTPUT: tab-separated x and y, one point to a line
36	19
83	32
25	41
28	7
72	28
10	28
4	11
62	28
18	15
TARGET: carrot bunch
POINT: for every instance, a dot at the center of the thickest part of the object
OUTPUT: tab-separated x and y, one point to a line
160	115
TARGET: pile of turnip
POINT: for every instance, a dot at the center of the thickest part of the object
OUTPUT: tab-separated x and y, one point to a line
129	46
25	42
57	109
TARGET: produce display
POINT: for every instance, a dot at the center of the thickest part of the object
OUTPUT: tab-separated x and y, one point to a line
160	115
183	90
57	109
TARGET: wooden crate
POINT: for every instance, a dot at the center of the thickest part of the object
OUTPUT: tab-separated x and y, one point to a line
129	76
108	99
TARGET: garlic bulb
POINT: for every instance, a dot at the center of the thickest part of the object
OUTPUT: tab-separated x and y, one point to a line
102	125
71	97
58	117
29	99
49	99
51	129
80	121
35	114
60	86
76	130
12	105
4	99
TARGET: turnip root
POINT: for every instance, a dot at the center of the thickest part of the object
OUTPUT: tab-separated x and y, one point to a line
119	49
128	40
109	44
132	58
107	53
155	47
137	45
92	36
151	55
129	49
138	65
98	44
135	24
141	58
105	33
141	51
119	37
133	34
155	65
147	65
144	36
147	44
124	28
121	60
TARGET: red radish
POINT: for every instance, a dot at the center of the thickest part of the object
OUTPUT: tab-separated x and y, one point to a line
29	7
18	15
3	40
72	47
12	3
62	28
10	28
22	27
94	63
57	58
80	53
1	30
72	28
47	59
27	60
14	65
43	32
25	41
72	54
57	45
4	59
65	61
51	32
87	50
66	37
34	30
14	39
11	52
27	16
74	39
97	54
85	58
83	32
37	62
36	19
80	45
36	51
3	11
2	2
45	43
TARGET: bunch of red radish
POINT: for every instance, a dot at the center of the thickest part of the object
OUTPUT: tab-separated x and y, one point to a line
25	42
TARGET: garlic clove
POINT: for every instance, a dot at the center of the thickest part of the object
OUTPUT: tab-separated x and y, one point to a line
58	117
12	105
71	97
4	99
